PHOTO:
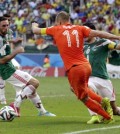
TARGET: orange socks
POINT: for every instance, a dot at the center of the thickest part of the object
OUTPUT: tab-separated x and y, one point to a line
94	96
97	108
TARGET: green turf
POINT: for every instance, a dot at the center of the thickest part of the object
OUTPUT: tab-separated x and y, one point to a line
56	96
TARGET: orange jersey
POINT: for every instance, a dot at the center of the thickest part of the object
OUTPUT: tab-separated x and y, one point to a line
69	40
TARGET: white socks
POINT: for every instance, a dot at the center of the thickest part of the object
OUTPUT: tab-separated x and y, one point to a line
2	90
29	92
37	102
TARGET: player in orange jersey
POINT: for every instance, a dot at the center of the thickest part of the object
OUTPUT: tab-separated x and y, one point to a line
69	40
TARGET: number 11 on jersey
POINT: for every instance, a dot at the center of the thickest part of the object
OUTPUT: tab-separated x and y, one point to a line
75	33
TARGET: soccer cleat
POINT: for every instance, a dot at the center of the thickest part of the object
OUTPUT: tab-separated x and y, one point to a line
46	114
107	107
17	110
110	121
95	119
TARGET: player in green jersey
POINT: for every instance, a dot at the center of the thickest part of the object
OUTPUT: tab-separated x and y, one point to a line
96	50
15	63
19	79
12	42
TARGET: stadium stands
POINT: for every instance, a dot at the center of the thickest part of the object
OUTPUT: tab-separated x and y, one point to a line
105	13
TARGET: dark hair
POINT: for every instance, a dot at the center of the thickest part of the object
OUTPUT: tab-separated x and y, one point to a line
90	25
3	19
6	15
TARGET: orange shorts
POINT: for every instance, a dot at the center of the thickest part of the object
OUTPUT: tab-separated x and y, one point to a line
78	78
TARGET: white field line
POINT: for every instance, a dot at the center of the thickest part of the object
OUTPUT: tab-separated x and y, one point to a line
91	130
35	115
50	96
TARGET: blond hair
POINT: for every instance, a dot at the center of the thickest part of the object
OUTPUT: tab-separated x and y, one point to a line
62	17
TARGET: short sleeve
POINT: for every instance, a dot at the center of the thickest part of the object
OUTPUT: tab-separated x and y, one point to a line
85	30
50	31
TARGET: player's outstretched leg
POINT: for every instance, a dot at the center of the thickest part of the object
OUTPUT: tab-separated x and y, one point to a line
105	103
97	108
29	92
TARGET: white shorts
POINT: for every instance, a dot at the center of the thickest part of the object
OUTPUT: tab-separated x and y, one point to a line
15	63
19	79
103	87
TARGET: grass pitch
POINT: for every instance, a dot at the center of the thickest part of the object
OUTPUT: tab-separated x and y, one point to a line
57	98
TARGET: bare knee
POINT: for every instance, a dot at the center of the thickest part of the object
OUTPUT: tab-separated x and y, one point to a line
34	82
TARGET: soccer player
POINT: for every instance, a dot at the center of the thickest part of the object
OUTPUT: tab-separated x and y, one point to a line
19	79
69	40
12	42
96	50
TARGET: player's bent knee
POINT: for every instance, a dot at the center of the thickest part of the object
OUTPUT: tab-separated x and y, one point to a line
37	83
34	82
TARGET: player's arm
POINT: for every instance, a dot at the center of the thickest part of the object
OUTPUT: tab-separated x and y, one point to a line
103	34
7	58
12	39
17	40
37	30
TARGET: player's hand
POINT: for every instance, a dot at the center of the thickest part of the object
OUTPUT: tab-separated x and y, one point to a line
35	28
34	24
19	39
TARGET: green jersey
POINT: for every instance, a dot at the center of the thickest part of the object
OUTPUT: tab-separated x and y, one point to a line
7	69
9	35
97	54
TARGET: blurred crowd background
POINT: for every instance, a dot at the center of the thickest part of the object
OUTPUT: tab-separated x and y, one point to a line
104	13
